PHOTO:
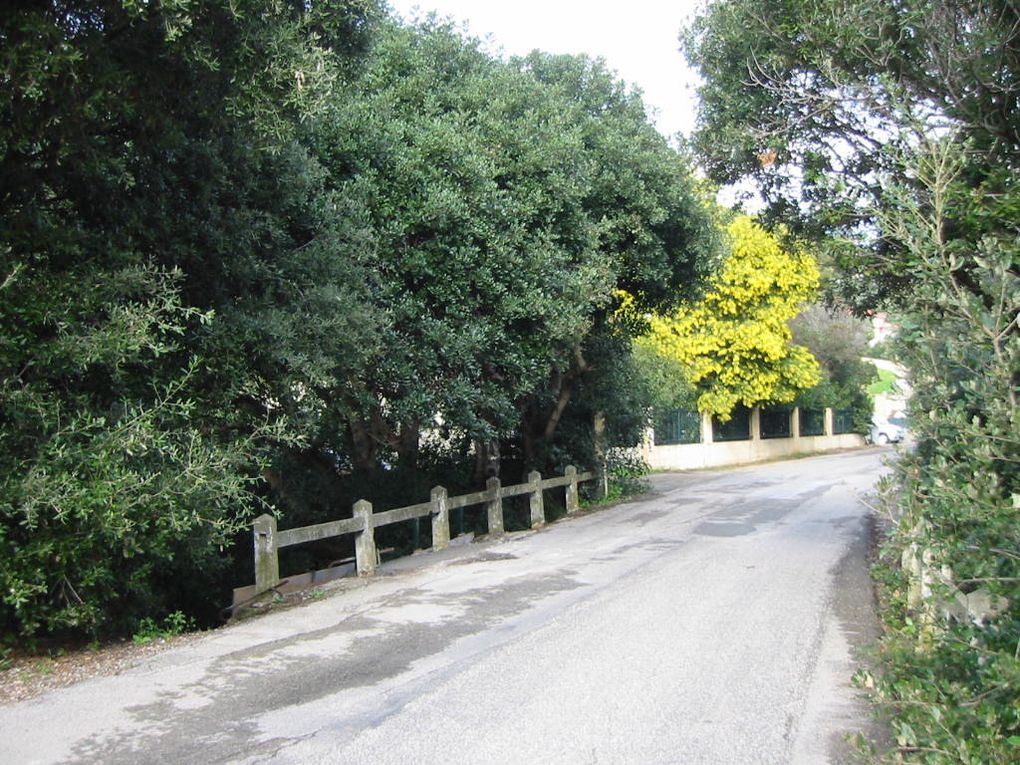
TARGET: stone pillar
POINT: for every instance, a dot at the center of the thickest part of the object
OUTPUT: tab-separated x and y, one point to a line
830	421
440	519
756	423
495	507
572	500
535	499
365	551
267	560
795	424
706	428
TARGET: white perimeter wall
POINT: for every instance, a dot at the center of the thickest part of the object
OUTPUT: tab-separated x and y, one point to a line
708	454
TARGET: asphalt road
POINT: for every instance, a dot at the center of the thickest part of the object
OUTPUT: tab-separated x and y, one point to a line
713	621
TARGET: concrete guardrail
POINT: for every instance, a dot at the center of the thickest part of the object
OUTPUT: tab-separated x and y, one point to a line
268	539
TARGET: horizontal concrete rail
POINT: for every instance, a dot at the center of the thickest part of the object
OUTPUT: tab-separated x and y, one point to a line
268	539
315	533
399	514
466	500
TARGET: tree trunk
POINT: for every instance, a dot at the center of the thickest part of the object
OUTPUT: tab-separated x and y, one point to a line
486	460
540	426
362	446
529	444
601	453
408	442
562	401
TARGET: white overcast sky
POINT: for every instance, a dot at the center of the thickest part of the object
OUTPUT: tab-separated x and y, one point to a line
638	39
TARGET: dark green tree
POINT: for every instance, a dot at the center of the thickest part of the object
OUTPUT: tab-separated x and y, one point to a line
839	341
654	233
471	179
153	197
509	201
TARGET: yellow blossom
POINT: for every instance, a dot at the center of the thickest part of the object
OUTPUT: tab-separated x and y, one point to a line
735	342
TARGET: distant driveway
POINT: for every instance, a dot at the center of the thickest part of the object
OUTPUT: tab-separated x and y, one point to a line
713	621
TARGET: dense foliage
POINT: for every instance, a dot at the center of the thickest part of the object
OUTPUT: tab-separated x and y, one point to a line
276	255
149	191
733	344
890	130
509	201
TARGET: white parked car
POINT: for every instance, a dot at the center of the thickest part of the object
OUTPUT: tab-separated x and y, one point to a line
891	431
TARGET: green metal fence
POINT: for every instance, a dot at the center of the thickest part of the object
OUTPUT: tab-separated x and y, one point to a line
677	426
843	421
737	428
774	422
812	422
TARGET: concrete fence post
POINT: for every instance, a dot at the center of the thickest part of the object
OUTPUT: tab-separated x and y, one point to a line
440	519
830	421
365	553
536	501
495	507
648	445
707	436
572	501
267	560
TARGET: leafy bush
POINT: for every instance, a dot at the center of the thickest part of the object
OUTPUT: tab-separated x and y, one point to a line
952	650
838	340
109	494
150	184
175	623
626	471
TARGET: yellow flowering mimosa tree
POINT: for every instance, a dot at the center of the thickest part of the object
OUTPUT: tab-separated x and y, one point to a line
735	344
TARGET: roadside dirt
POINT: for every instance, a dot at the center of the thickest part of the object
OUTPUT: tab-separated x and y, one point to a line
33	675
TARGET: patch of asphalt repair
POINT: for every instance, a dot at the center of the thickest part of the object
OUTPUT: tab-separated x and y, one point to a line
372	650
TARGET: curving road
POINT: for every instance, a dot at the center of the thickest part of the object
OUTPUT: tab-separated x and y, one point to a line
713	621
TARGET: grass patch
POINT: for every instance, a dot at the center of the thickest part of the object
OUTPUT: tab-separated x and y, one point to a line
886	384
